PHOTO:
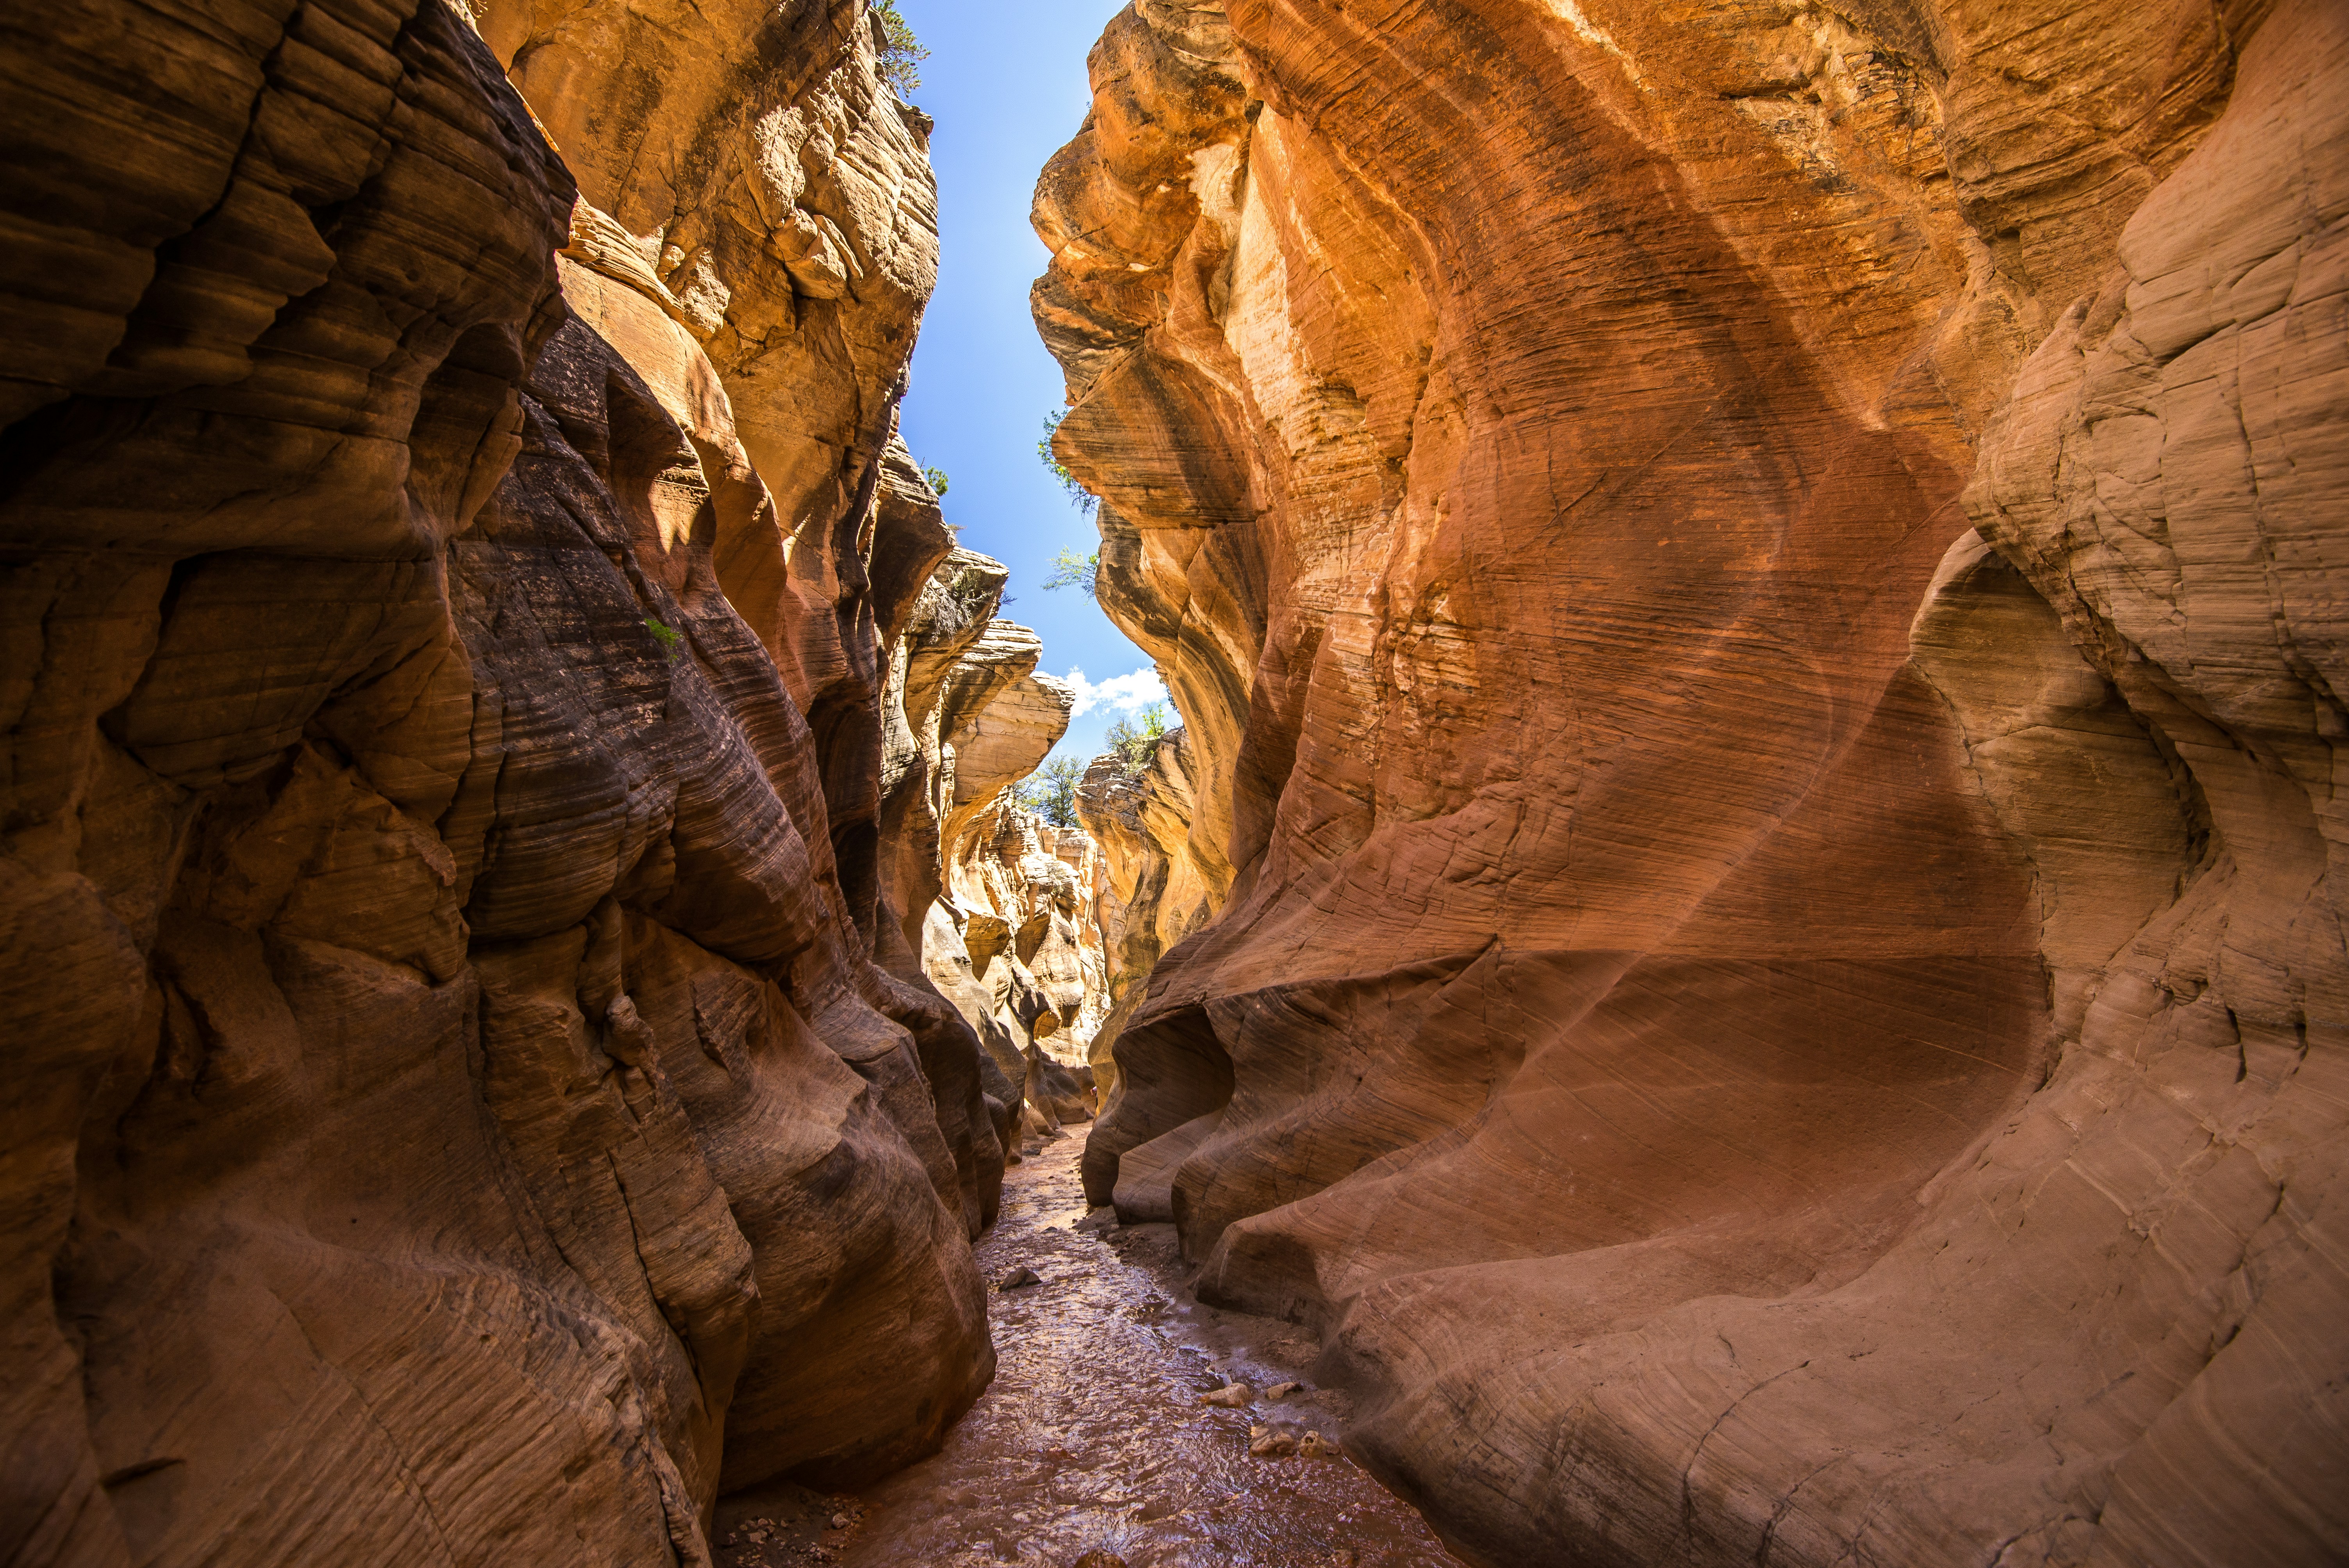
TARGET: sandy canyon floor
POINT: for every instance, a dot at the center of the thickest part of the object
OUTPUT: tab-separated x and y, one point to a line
1091	1437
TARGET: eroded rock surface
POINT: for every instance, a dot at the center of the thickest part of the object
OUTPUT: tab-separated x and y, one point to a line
1754	592
1012	935
475	1098
1022	893
1148	890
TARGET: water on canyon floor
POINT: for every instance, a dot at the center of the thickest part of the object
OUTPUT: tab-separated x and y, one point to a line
1091	1437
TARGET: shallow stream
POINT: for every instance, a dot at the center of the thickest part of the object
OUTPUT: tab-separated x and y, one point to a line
1093	1437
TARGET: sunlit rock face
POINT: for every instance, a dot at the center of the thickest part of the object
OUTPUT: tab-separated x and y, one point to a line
1022	893
1755	592
1011	933
469	1107
1149	891
776	199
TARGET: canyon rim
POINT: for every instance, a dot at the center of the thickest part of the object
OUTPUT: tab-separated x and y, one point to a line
1745	922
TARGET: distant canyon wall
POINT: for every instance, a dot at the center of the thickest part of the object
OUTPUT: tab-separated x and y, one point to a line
1755	592
465	851
1149	889
1009	929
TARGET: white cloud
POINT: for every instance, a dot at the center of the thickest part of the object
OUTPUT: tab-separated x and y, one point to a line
1131	693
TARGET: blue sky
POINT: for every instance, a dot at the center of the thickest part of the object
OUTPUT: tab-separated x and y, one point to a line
1007	94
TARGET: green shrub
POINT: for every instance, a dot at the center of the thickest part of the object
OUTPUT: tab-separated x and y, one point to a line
968	599
1134	742
901	53
1070	569
1083	500
1051	791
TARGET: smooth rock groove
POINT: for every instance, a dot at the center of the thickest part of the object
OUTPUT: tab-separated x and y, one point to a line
1747	915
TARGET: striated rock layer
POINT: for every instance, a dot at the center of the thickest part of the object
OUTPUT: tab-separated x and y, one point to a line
1149	891
1755	595
1009	935
476	1098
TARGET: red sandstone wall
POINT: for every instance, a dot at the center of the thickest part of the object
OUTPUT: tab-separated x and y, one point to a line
1756	1023
464	1109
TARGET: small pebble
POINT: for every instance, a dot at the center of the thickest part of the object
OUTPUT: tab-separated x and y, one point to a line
1264	1443
1231	1396
1282	1390
839	1521
1020	1279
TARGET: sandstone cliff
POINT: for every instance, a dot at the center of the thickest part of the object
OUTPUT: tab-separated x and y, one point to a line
1011	937
477	1099
1755	595
1149	893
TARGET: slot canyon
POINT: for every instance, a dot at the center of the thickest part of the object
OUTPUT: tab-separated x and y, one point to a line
1737	956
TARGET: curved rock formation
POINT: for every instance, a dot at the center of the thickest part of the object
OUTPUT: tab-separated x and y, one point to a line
1148	890
1034	881
478	1099
1754	592
1021	892
1011	936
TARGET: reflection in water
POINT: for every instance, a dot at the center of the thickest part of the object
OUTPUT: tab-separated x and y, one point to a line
1093	1437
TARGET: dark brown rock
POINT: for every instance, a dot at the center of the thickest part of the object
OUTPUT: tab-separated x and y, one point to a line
464	1111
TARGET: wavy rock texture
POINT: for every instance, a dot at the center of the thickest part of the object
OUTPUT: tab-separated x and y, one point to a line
1755	595
777	200
1022	892
460	1115
1148	893
1011	936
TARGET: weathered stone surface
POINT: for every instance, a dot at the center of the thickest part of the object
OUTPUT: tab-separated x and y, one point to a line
1012	938
781	195
1149	891
1759	1023
1002	719
951	612
1019	892
953	663
1063	884
461	1117
773	196
1037	879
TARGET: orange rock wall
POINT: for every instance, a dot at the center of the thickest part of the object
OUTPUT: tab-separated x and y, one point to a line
1148	890
1752	590
475	1101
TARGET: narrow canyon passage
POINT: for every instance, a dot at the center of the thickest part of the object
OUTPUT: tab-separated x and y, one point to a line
1732	947
1091	1437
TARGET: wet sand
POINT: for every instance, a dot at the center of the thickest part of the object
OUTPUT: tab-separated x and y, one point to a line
1091	1437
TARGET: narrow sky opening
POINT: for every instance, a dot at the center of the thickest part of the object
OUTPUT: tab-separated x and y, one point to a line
1006	97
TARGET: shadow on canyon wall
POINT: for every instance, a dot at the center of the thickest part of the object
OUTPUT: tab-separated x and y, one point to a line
1746	920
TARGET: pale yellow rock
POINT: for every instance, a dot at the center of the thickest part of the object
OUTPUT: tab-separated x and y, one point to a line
1269	1442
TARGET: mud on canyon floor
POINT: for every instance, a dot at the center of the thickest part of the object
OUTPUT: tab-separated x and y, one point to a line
1093	1437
